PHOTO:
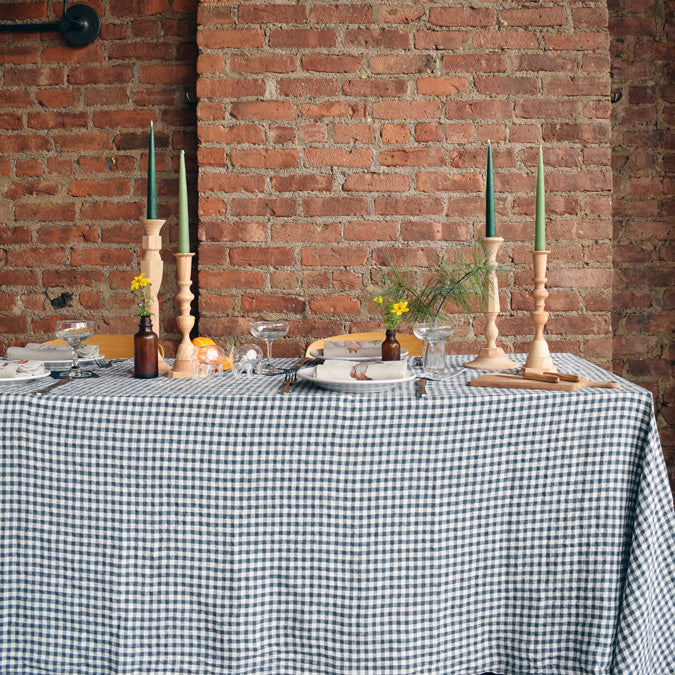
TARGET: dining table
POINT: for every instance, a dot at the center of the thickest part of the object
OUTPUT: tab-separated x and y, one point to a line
218	526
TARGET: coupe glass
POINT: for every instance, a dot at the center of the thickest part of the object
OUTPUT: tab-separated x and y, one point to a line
74	332
269	331
433	335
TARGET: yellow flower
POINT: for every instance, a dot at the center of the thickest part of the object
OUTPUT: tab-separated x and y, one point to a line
378	299
141	281
400	307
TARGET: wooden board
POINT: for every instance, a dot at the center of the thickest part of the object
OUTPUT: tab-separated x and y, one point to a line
518	382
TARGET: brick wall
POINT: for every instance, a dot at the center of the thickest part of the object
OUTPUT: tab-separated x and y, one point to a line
335	134
73	154
643	53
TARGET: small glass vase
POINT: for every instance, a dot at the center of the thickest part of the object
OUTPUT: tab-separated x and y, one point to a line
434	335
146	349
391	348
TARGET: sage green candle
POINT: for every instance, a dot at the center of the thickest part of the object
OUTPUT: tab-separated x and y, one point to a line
183	220
540	217
151	212
490	230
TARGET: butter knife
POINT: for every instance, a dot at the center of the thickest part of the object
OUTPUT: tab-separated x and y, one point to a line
53	385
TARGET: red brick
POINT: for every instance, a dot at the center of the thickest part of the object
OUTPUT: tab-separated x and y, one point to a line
260	304
335	206
360	230
504	39
412	157
264	207
230	38
333	109
219	279
14	324
374	182
432	39
410	206
298	87
462	16
264	13
44	212
443	182
302	183
337	304
305	232
67	234
357	157
381	64
263	110
251	255
338	256
71	278
376	38
441	86
266	159
331	63
374	88
303	38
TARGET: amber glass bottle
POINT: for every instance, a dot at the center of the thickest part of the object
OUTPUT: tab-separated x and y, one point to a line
146	346
391	349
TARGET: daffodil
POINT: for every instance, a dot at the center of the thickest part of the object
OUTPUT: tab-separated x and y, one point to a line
138	288
140	281
400	308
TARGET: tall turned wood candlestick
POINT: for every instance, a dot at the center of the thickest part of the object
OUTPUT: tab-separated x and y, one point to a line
539	357
491	357
153	267
182	366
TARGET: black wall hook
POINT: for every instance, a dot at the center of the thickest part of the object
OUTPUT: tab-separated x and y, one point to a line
80	25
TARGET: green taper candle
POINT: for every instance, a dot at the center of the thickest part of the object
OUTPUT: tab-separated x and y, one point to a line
151	212
540	216
183	220
490	230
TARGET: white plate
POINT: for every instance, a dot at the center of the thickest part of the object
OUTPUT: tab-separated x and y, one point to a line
22	378
55	365
352	387
318	354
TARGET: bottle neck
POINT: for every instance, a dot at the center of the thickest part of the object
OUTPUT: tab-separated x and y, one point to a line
390	333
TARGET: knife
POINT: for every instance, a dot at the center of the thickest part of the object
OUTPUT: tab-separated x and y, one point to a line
421	388
53	385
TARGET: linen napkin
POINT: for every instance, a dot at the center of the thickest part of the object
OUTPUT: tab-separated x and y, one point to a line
10	369
359	348
368	370
39	352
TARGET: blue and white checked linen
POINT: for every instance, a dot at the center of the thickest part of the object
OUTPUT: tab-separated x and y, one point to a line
219	527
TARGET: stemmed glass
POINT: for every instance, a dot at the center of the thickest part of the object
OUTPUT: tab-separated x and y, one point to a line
269	331
74	332
434	335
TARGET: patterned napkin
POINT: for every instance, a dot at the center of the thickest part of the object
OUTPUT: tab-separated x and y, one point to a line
39	352
369	370
10	369
360	348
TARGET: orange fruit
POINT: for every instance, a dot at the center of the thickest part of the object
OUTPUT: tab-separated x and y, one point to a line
202	341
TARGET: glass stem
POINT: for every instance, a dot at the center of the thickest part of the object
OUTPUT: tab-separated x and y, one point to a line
269	352
76	358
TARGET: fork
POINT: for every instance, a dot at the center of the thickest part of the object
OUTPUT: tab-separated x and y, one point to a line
290	376
102	363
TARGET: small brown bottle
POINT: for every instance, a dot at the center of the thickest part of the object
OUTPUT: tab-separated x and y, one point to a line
146	346
391	349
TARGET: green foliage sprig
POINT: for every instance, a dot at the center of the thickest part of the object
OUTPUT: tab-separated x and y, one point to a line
464	283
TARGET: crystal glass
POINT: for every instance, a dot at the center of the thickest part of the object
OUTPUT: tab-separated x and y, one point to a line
74	332
208	360
245	360
269	331
434	335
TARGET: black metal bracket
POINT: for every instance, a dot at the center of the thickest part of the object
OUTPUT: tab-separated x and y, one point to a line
80	25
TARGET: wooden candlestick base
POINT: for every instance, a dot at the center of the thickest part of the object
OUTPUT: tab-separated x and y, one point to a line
153	268
182	367
491	357
539	357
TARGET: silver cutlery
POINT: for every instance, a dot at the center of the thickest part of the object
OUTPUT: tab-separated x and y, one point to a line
290	376
53	385
421	384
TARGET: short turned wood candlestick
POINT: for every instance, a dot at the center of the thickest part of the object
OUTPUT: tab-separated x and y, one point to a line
539	357
182	366
491	357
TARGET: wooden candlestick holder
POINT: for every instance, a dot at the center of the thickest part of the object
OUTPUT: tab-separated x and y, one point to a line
182	366
539	357
491	357
153	267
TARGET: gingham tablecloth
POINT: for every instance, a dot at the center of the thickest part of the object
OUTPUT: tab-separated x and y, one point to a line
218	527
